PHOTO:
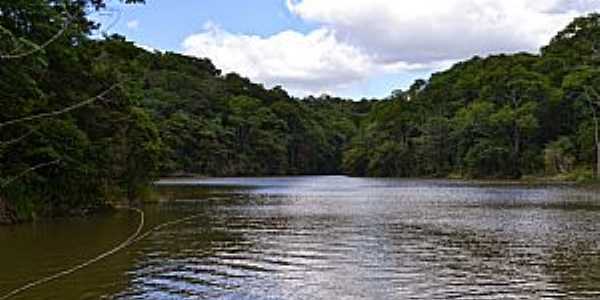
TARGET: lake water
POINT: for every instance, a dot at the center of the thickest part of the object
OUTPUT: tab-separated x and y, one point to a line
324	238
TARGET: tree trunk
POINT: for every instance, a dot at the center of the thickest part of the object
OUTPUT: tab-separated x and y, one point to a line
597	140
516	135
516	172
7	214
598	160
596	119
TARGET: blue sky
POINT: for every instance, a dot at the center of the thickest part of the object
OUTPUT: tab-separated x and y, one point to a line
164	25
349	48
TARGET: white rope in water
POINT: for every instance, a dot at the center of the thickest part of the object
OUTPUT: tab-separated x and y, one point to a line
162	226
134	238
123	245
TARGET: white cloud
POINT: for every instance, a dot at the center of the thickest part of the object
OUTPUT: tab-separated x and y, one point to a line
359	39
306	63
148	48
133	24
425	31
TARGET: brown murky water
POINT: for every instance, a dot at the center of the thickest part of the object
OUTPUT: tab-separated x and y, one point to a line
325	238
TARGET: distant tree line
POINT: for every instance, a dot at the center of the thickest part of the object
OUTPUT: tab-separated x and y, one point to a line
504	116
84	121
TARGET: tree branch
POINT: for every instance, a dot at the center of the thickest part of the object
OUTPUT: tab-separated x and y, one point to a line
61	111
24	173
38	48
16	140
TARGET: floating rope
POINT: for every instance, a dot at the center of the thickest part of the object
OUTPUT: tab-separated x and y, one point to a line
162	226
134	238
72	270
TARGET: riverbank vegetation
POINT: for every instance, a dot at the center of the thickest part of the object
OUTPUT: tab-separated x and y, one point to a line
85	121
503	116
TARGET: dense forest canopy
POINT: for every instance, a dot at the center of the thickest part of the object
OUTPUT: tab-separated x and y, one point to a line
84	121
503	116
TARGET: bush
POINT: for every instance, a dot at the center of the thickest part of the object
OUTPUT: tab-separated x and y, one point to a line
487	159
579	175
559	157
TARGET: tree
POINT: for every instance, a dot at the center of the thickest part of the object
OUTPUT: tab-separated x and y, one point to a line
593	99
580	85
41	47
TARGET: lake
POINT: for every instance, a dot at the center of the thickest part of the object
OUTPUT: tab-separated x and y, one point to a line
323	237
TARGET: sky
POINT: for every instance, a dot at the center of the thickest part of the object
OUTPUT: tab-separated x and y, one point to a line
347	48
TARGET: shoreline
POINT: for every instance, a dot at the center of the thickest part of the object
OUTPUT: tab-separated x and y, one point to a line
9	218
490	181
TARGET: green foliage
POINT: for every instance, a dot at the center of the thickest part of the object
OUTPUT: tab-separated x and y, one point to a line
228	126
580	175
502	116
64	162
163	114
158	114
487	159
559	156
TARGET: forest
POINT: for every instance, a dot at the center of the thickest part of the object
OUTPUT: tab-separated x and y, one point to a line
88	121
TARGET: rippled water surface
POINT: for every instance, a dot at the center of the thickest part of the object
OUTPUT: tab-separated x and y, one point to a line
325	238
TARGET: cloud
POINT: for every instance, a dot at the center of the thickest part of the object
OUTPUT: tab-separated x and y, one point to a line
133	24
357	40
148	48
425	31
305	63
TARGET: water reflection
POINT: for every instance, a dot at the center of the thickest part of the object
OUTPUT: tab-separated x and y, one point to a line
345	238
348	238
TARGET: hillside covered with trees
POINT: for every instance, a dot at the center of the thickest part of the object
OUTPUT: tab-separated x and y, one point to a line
503	116
86	121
